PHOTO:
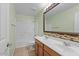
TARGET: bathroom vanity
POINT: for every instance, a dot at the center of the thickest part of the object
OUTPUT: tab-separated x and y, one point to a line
43	50
55	47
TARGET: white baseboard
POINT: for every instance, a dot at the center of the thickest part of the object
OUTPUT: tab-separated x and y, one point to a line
13	51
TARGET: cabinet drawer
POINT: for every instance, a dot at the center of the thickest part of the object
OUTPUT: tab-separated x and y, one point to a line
38	42
50	51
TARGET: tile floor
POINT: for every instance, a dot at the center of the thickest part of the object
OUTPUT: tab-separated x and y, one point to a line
24	51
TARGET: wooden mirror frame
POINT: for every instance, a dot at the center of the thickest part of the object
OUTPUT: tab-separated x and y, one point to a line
47	10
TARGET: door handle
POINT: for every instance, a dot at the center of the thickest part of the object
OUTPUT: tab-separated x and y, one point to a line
8	45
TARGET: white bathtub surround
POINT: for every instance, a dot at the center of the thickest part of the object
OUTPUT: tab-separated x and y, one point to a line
58	45
24	31
24	44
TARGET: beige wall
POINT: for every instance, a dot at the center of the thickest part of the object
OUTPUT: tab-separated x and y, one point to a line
39	23
12	24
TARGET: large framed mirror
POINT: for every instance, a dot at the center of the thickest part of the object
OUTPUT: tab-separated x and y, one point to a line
62	17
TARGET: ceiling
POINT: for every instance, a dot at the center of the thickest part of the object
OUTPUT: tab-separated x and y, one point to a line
29	9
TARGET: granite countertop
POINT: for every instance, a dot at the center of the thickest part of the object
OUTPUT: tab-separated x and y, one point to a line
59	47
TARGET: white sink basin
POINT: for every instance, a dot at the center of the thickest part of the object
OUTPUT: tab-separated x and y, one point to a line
76	49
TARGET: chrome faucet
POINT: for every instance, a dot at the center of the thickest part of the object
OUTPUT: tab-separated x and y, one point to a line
66	44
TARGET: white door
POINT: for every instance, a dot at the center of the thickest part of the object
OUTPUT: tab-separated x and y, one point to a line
4	50
4	29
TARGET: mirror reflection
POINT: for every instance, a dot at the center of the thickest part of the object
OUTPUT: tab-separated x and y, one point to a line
62	18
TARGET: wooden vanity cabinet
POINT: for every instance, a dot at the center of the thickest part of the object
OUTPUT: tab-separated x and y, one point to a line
43	50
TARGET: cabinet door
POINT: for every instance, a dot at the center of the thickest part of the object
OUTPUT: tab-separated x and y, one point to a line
39	48
46	54
36	48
